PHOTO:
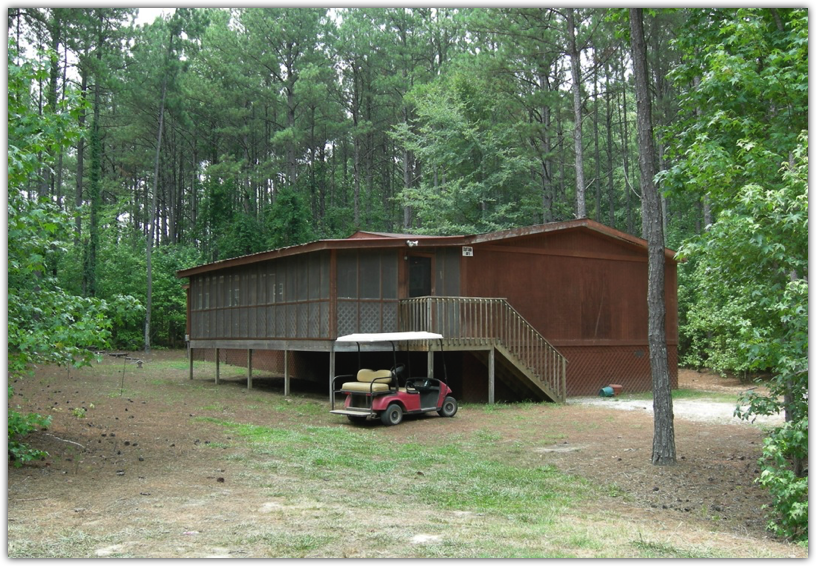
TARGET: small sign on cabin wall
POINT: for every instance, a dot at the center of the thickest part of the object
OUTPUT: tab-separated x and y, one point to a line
467	251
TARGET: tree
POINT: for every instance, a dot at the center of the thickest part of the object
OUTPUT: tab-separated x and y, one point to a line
474	178
97	36
743	131
663	449
168	70
520	57
46	324
288	221
577	133
754	260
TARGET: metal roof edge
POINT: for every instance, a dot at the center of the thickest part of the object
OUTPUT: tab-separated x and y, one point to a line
586	223
387	240
318	245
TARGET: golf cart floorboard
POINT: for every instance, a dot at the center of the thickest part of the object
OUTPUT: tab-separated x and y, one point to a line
352	412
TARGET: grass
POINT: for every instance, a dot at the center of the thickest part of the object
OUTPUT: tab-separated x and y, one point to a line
651	549
368	491
457	489
531	506
461	474
73	543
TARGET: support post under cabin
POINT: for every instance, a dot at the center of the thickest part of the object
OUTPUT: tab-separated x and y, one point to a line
331	374
249	368
217	366
190	353
286	385
491	377
430	363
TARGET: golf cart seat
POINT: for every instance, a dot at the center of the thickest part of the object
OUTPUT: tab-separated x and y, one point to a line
370	381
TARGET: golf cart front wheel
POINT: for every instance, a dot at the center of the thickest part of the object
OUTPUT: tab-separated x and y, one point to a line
449	407
392	415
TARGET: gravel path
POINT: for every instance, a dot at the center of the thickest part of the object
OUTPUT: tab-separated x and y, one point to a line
693	410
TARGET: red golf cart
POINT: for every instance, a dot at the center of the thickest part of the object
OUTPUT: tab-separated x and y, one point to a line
388	394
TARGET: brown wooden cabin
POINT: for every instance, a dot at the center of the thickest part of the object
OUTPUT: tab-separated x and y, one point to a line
541	312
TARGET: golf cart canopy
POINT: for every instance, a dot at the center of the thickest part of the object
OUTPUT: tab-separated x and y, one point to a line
389	337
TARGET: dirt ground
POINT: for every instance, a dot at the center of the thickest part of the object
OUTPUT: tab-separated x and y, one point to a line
125	449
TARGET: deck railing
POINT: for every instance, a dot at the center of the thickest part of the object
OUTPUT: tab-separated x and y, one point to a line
480	322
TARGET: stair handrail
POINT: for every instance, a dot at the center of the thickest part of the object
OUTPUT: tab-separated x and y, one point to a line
483	321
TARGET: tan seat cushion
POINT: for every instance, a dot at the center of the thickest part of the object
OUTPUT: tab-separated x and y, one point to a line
364	379
369	375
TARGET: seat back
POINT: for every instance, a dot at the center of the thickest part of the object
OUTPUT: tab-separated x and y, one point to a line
365	377
369	375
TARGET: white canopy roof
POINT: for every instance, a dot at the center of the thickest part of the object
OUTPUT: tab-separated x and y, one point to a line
389	337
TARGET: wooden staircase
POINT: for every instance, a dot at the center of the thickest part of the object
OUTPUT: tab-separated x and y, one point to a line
524	360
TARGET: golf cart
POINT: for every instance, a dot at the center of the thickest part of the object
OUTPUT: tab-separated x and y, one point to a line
388	394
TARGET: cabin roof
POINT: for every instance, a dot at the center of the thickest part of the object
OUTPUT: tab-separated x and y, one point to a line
365	239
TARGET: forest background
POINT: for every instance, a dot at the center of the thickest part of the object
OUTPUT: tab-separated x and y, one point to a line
138	150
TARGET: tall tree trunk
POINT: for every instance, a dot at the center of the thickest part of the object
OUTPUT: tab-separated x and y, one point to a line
609	155
153	207
55	30
95	190
706	200
663	448
80	170
545	154
60	168
575	67
627	185
407	182
597	145
561	191
291	151
356	172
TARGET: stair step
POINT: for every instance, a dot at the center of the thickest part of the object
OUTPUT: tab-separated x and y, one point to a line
512	376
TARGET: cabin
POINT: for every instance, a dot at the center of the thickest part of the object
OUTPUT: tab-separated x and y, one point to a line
541	312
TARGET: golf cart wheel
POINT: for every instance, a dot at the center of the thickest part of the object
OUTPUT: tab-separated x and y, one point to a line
392	415
355	419
449	407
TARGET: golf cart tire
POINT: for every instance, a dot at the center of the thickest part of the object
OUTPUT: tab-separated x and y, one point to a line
449	407
392	415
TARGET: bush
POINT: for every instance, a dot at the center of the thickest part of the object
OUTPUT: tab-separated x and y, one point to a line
790	492
20	425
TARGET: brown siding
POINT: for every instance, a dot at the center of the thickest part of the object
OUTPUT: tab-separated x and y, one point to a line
595	296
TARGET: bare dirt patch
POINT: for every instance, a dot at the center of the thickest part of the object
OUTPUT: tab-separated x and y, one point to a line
710	410
138	466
